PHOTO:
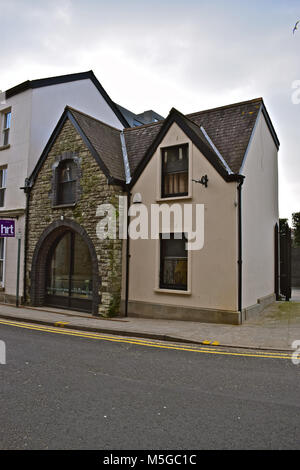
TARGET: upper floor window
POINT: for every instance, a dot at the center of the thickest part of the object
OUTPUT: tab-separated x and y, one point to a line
3	174
67	176
175	169
6	122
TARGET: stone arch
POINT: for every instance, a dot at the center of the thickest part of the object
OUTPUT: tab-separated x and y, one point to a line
40	256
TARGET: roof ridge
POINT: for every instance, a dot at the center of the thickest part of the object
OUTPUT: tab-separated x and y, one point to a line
70	108
255	100
189	115
78	75
143	125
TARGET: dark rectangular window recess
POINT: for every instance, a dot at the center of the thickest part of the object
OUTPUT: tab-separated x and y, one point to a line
173	262
175	171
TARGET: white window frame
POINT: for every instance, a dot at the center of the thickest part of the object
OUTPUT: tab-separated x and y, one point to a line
5	130
3	182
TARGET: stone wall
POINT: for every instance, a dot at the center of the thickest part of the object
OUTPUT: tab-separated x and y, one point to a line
94	190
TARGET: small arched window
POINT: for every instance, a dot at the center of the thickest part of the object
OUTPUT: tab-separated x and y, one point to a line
67	177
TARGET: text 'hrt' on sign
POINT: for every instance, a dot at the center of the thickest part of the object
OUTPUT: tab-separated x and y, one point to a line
7	228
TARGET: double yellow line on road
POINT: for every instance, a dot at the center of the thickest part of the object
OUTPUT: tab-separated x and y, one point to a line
144	342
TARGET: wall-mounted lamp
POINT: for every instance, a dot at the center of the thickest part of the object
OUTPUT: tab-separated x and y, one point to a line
203	181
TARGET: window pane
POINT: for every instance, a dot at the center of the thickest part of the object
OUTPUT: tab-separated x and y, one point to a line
1	248
67	172
175	273
174	263
175	170
176	183
3	173
67	183
5	137
67	193
60	268
2	194
1	271
81	286
7	120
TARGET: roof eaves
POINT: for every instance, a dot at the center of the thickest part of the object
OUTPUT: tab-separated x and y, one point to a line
42	82
270	125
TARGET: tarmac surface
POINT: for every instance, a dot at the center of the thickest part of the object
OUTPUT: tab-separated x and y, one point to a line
70	390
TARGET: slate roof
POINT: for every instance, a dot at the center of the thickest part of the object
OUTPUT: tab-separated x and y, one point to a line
106	141
228	127
138	140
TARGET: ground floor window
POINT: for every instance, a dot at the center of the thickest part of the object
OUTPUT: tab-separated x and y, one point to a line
173	262
2	261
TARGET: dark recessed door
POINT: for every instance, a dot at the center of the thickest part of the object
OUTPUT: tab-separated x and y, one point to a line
69	274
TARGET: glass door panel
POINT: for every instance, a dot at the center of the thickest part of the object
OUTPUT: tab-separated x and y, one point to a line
81	286
69	280
60	268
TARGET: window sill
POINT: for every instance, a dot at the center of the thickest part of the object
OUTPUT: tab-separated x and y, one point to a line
4	147
174	198
63	206
173	291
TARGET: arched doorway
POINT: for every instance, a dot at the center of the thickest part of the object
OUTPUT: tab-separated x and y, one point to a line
65	269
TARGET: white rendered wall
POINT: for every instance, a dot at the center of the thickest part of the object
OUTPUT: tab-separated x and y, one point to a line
48	104
16	156
259	215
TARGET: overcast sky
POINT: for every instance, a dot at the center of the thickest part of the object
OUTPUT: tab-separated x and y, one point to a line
189	54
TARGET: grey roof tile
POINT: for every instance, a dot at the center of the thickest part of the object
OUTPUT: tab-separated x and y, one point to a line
105	140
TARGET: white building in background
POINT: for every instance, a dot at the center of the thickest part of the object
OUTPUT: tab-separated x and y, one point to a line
28	115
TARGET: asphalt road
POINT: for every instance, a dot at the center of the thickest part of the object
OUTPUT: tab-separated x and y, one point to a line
65	392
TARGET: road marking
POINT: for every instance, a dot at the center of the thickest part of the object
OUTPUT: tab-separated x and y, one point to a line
61	323
143	342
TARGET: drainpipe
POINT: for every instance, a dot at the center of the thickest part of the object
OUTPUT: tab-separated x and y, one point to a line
127	256
240	258
27	191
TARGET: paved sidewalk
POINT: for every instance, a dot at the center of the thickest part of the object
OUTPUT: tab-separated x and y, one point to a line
276	328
